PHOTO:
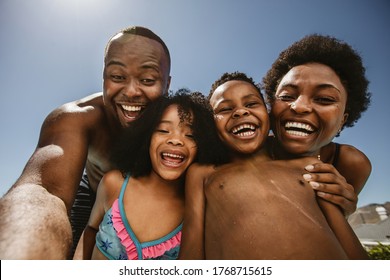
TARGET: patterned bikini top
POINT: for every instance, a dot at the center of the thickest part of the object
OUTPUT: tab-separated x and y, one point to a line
117	241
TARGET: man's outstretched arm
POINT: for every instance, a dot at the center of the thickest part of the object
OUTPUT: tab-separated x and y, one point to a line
34	222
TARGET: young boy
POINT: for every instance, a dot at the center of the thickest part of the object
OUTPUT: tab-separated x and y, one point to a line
255	207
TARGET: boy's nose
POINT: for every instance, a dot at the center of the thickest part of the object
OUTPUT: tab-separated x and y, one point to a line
240	112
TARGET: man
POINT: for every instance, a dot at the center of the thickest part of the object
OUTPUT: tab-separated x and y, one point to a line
75	137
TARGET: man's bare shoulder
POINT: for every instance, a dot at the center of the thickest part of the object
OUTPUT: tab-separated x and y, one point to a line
86	110
90	103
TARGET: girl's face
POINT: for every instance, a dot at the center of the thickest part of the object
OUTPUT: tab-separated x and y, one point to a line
309	109
240	116
172	147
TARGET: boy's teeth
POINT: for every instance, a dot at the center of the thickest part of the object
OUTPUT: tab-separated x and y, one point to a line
243	126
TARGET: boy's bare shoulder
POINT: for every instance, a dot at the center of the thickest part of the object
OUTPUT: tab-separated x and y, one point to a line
197	169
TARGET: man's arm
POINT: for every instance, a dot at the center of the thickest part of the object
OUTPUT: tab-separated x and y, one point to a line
34	217
34	225
192	240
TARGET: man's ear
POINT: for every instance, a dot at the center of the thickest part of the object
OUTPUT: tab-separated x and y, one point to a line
167	88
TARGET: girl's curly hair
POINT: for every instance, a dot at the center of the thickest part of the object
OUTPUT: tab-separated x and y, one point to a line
131	152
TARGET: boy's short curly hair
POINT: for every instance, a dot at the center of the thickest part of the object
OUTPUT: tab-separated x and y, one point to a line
336	54
234	76
131	152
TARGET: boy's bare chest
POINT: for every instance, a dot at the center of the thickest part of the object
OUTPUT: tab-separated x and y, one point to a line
267	182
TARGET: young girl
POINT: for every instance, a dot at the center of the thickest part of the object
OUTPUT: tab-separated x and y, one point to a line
139	208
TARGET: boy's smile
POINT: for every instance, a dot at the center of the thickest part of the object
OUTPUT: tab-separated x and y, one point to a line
240	116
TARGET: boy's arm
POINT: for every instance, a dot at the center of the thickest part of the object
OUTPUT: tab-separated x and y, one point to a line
192	240
342	230
34	213
342	185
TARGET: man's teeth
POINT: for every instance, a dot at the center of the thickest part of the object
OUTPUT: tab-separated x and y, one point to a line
237	129
131	108
302	126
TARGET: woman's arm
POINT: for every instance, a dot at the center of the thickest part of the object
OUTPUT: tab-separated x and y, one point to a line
341	186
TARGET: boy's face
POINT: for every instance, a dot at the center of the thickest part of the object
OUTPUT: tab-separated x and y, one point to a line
309	108
240	116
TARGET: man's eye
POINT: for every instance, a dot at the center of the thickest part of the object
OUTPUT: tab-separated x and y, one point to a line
117	78
148	81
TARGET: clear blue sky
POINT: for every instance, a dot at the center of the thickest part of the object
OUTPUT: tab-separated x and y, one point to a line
51	52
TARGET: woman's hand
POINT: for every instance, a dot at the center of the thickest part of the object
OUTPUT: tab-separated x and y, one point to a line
330	185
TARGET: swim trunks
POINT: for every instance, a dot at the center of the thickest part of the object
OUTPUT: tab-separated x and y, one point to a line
117	241
81	210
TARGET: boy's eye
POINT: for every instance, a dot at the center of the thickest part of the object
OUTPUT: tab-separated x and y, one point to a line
162	130
222	110
252	104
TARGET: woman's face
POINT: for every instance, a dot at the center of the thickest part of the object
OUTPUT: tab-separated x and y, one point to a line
309	108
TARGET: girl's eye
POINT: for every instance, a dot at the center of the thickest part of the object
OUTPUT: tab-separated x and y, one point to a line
162	130
190	136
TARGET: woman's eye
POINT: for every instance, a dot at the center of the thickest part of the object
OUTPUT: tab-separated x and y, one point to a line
325	100
285	97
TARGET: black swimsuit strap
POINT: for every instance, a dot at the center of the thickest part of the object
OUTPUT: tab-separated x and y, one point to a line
336	155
